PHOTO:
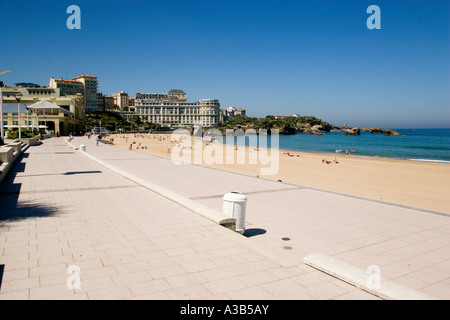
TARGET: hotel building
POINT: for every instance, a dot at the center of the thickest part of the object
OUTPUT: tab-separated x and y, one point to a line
172	109
85	84
104	102
232	111
120	100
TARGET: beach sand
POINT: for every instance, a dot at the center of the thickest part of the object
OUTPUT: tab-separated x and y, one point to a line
421	185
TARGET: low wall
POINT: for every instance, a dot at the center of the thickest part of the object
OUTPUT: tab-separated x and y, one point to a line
17	146
31	141
8	155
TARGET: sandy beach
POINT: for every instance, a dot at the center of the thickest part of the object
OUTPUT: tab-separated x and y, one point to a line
422	185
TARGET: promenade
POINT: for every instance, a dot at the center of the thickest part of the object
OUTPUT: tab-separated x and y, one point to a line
62	211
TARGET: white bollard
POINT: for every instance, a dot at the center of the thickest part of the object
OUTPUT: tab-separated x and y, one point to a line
83	147
234	205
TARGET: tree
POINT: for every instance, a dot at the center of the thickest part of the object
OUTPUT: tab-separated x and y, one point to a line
109	119
136	119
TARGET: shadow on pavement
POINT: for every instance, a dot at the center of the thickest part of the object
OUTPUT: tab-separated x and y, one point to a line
25	210
253	232
11	209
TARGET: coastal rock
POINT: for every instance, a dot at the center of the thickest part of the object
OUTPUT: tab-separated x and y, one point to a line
389	132
335	129
352	132
315	130
372	130
386	132
285	130
376	130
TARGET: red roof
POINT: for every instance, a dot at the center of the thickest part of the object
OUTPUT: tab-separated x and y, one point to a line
66	80
85	75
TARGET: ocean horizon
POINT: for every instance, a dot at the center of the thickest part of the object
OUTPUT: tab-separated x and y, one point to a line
415	144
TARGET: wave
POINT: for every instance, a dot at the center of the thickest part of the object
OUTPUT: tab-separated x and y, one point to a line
431	160
427	148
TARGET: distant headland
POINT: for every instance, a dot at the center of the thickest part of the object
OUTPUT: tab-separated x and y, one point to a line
298	124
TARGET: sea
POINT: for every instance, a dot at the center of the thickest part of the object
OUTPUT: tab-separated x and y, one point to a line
431	145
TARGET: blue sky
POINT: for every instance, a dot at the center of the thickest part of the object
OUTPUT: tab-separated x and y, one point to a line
269	57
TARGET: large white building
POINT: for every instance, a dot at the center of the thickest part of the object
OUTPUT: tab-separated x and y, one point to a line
172	109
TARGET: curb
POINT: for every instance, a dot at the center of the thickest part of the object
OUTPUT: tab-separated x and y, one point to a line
374	284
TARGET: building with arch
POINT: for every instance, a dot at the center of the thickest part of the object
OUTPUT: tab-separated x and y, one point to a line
42	108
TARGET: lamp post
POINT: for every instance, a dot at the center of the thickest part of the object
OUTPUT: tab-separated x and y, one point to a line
2	134
1	109
18	96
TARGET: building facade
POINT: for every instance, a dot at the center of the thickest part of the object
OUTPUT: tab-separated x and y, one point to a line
232	111
90	84
105	103
63	113
120	100
86	84
67	87
172	109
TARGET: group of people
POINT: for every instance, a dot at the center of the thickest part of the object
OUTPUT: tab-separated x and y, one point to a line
329	161
97	138
138	147
289	154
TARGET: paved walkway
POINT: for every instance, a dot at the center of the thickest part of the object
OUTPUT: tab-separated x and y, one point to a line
62	212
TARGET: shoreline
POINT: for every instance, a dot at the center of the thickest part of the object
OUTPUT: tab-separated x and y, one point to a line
416	184
330	154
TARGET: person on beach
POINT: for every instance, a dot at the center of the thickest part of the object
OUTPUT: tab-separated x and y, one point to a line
329	161
97	139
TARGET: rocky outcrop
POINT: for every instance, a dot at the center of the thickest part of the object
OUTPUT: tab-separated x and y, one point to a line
372	130
315	130
386	132
285	130
352	132
389	132
355	131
